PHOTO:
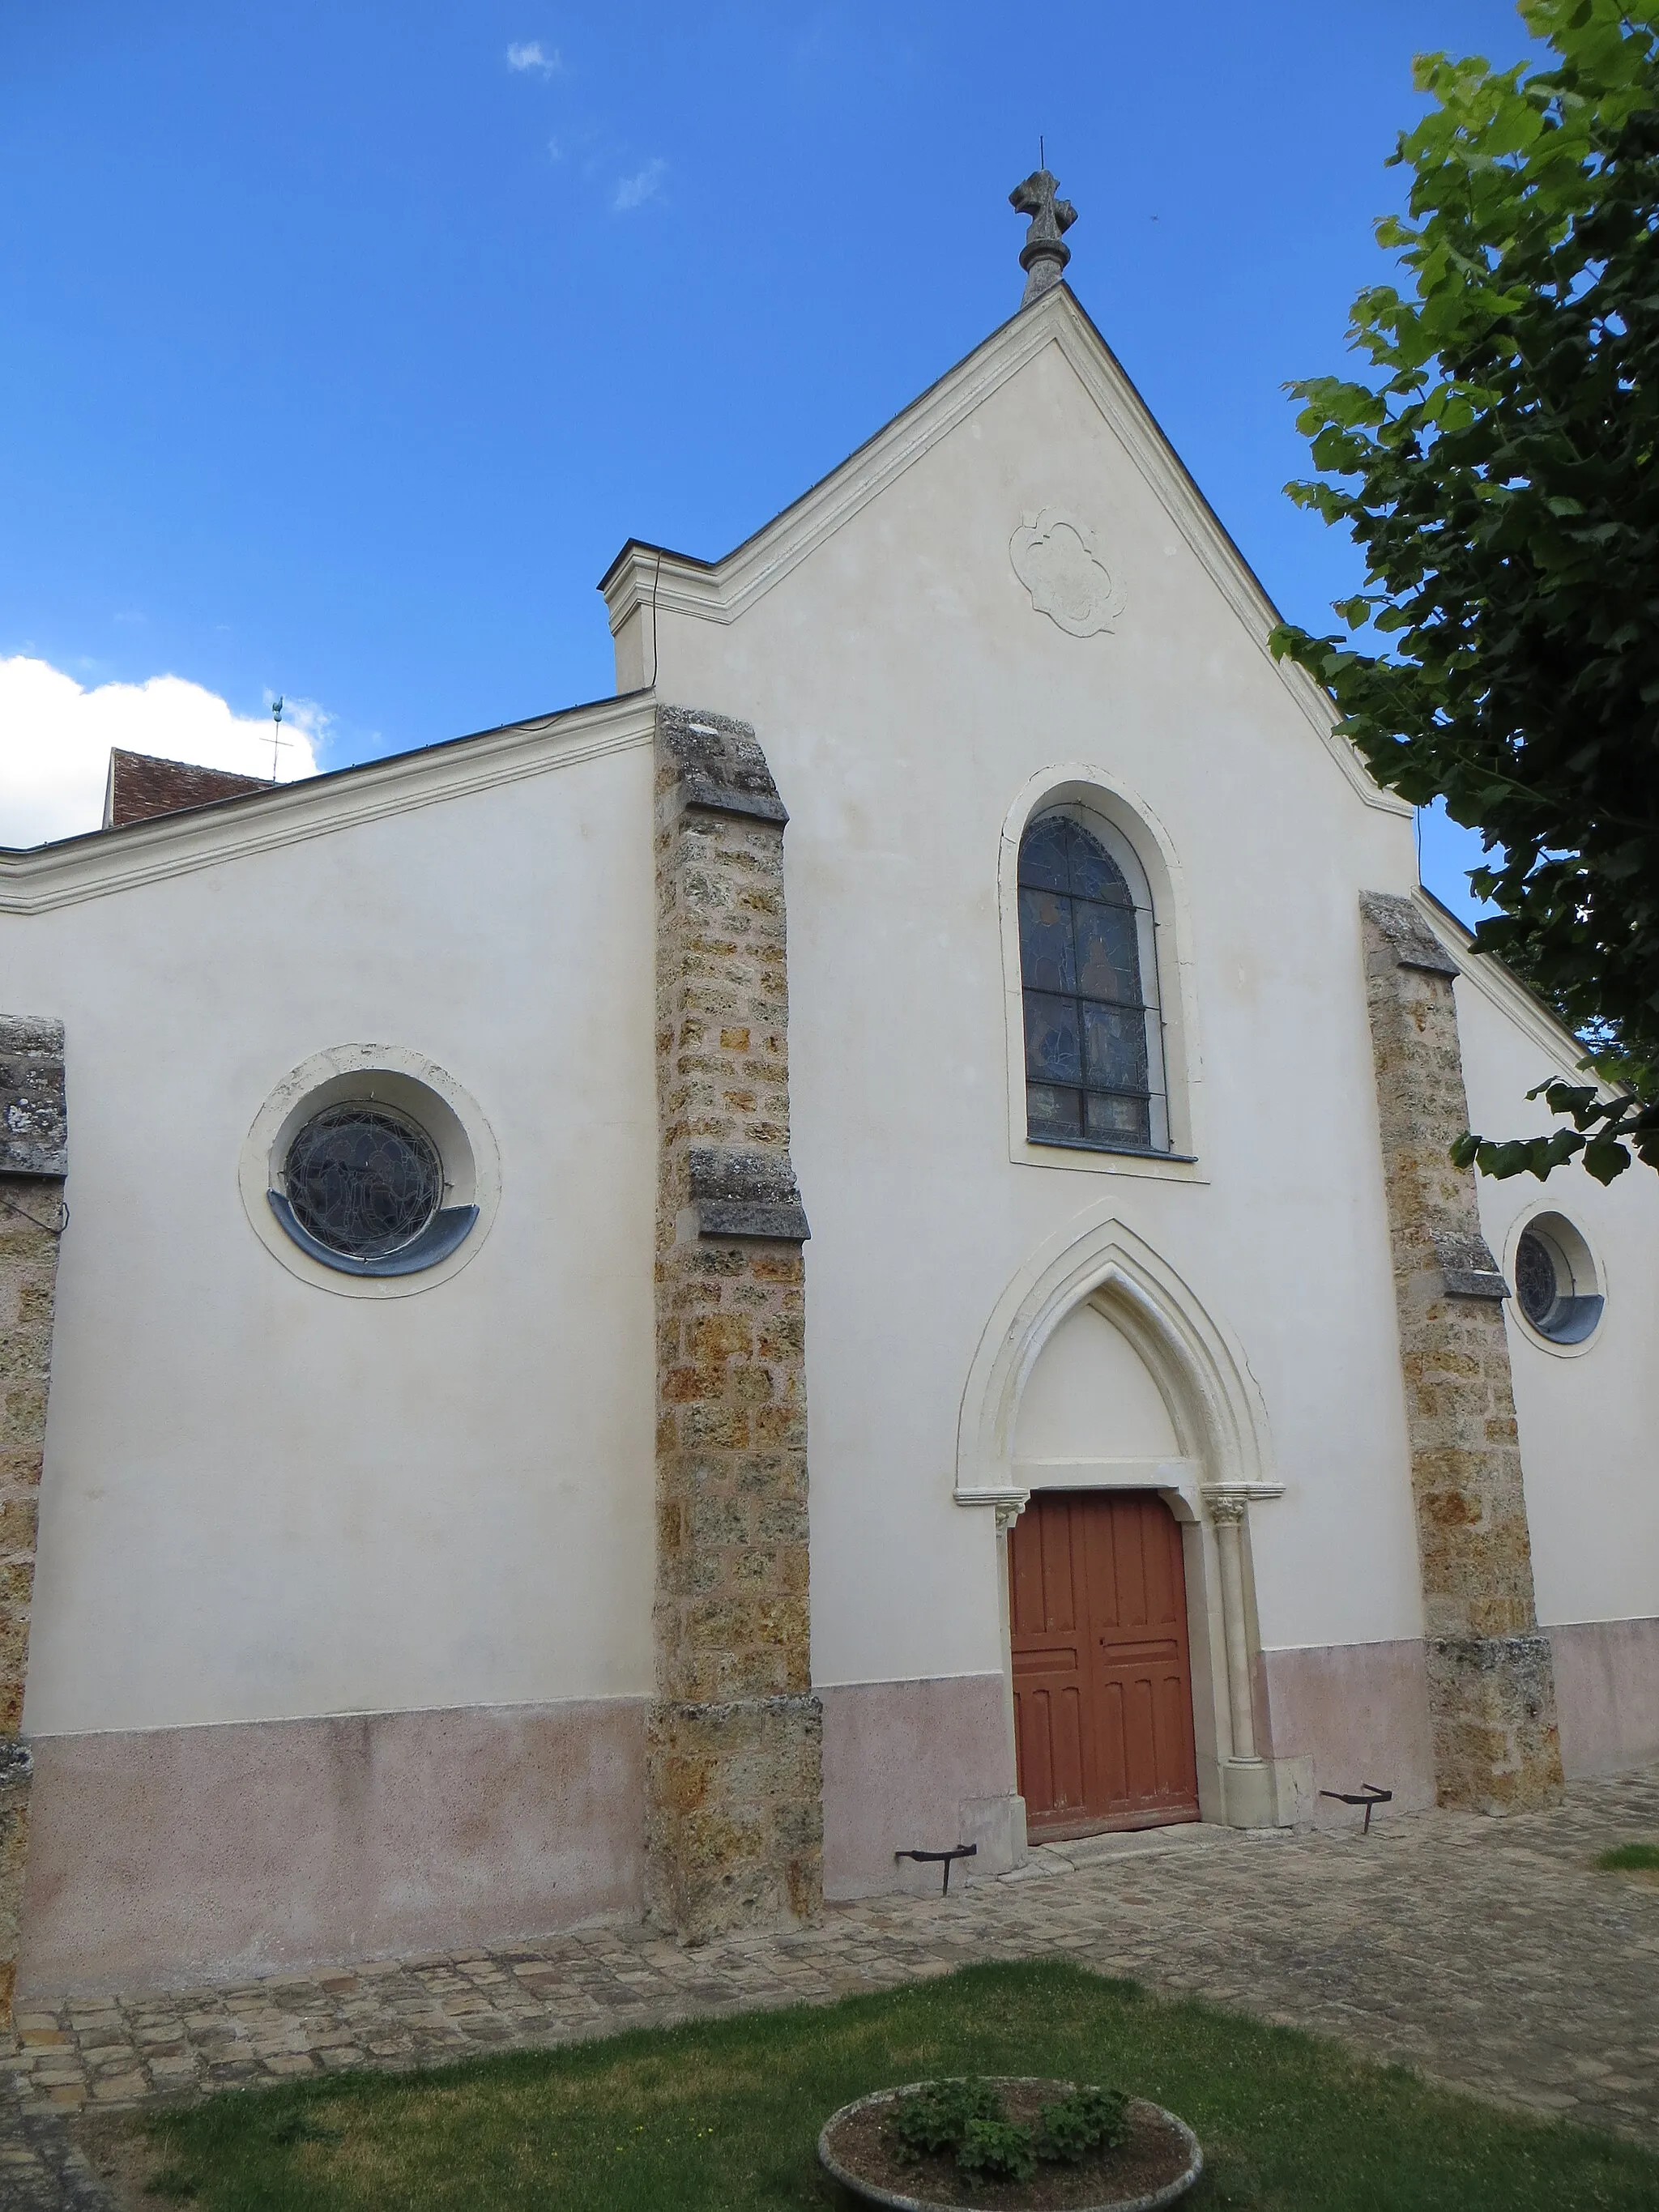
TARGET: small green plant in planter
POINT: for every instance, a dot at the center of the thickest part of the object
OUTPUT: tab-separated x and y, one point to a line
938	2118
996	2150
969	2117
1070	2128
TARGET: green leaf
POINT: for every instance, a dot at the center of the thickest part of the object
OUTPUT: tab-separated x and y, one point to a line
1604	1159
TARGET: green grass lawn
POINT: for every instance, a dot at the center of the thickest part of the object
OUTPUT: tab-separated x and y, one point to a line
723	2116
1631	1858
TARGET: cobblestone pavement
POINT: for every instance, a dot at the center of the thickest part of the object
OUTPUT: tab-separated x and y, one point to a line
1487	1954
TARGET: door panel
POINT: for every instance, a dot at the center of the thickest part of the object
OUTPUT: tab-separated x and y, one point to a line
1051	1722
1103	1678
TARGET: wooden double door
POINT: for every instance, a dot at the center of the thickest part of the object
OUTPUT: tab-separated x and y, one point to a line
1102	1673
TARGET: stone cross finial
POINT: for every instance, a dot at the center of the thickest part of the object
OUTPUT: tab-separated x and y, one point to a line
1044	255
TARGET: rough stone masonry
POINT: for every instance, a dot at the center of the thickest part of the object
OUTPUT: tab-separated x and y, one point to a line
1492	1683
33	1161
735	1818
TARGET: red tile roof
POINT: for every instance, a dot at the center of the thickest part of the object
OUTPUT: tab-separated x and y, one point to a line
141	786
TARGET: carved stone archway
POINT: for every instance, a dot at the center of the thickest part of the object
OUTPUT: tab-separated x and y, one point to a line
1220	1423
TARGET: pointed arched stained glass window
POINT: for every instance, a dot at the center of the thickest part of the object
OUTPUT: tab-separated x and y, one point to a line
1093	1045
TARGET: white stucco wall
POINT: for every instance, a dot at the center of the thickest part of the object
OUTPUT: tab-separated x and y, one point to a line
1089	1396
262	1499
905	690
1589	1415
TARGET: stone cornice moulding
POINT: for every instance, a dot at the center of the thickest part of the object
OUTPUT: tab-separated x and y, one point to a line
647	576
110	860
1213	1402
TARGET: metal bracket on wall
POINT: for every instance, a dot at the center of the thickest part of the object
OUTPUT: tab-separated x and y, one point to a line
1371	1796
961	1851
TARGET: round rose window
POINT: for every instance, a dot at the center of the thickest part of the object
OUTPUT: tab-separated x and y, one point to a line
1556	1285
363	1179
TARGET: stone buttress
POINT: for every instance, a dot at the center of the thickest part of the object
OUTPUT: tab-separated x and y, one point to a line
33	1161
735	1821
1491	1684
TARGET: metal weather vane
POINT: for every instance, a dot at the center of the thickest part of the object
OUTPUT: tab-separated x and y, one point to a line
277	740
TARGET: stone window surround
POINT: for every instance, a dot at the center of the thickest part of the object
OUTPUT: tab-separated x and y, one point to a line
1543	1210
1077	783
415	1085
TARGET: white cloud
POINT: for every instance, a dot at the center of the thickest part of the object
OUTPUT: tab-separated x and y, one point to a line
634	192
55	740
531	56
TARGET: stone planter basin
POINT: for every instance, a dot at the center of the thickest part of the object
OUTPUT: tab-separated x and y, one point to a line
839	2160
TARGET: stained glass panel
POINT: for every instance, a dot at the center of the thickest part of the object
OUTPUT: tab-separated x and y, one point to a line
1089	1050
1042	854
1047	958
1052	1110
1053	1050
1095	874
1113	1047
363	1179
1536	1281
1107	954
1115	1120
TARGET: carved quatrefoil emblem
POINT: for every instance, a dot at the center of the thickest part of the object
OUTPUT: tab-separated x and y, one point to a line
1061	564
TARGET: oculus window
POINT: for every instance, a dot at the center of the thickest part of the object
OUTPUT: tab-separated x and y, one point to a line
1556	1284
360	1187
370	1172
1094	1041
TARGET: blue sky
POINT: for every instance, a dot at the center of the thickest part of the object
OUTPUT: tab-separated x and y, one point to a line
344	345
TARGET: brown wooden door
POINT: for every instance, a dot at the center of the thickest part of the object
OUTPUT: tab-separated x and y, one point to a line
1103	1677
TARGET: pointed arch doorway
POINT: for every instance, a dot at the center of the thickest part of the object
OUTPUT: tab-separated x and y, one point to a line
1181	1419
1098	1604
1101	1665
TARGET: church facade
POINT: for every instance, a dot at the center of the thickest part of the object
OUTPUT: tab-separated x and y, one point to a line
850	1250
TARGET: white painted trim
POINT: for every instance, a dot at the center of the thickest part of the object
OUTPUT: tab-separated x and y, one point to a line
454	1119
644	576
113	860
1213	1403
1080	783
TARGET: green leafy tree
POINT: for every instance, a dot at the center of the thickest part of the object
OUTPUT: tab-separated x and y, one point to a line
1498	463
